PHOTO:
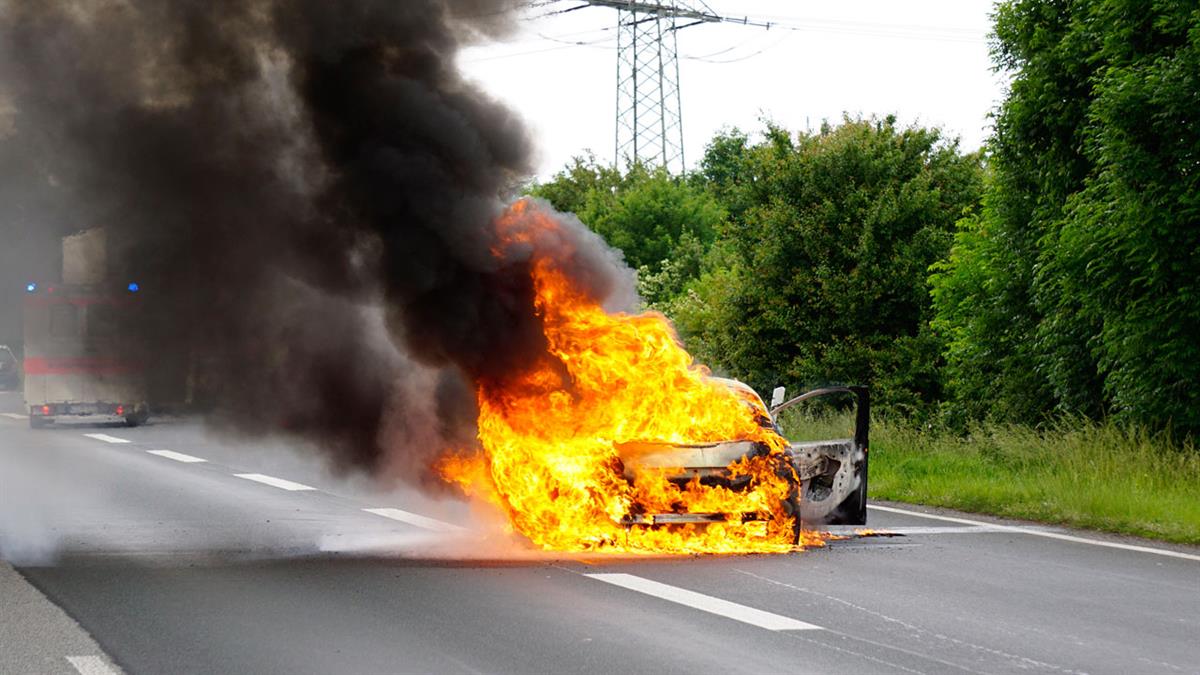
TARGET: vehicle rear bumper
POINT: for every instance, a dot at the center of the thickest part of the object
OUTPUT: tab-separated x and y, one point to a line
83	413
82	419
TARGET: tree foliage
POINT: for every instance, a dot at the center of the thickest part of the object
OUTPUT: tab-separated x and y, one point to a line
1075	290
662	224
820	273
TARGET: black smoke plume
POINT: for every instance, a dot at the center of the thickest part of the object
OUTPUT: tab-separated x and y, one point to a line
304	190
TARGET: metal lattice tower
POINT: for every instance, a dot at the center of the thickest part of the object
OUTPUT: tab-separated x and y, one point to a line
649	117
649	114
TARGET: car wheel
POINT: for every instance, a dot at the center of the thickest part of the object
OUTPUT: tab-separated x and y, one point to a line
37	422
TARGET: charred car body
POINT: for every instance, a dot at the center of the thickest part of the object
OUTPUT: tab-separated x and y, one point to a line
829	476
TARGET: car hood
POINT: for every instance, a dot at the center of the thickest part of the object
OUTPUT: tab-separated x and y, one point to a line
698	456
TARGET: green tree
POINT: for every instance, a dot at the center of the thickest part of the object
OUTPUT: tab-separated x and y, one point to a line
822	277
1076	289
661	223
582	180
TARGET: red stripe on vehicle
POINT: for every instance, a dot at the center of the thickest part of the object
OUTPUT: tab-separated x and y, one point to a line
48	300
76	365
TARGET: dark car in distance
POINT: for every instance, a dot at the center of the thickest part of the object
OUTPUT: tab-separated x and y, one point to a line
10	369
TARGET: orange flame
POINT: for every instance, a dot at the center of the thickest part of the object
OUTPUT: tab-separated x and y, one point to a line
551	435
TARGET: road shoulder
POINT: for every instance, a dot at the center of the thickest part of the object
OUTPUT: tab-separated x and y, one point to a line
37	637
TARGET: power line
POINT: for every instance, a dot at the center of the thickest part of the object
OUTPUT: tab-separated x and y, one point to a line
649	116
782	38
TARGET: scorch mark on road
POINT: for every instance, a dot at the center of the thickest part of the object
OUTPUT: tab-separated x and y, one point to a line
704	603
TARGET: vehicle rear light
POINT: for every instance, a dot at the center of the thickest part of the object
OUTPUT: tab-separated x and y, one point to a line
120	410
45	410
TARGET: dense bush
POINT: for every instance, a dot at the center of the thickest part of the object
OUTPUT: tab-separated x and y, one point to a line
820	273
1075	290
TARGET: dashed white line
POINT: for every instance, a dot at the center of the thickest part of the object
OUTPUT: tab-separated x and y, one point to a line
704	603
274	482
1041	533
15	416
177	456
417	520
106	438
90	665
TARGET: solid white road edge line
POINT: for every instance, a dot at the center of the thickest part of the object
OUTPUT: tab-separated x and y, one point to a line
414	519
274	482
177	456
911	530
704	603
1041	533
90	665
106	438
15	416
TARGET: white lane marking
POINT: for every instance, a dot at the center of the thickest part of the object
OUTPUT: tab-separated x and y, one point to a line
847	531
15	416
106	438
704	603
274	482
1041	533
965	529
414	519
177	456
90	665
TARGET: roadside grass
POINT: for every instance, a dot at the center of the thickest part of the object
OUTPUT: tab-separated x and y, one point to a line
1077	472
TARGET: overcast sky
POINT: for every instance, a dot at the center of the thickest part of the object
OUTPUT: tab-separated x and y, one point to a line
925	60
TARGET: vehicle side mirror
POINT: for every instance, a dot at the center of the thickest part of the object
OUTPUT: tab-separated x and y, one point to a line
777	397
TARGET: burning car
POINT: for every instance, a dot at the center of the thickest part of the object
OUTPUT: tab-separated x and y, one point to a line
610	437
829	477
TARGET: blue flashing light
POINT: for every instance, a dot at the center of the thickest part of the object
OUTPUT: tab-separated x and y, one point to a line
31	287
133	287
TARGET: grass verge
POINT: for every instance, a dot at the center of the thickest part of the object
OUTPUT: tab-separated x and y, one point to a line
1077	473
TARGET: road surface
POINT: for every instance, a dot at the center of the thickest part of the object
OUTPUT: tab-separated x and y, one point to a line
259	560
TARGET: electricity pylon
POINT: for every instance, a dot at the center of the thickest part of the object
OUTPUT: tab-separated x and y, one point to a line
649	114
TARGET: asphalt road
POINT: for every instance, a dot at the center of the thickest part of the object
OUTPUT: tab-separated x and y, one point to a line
229	566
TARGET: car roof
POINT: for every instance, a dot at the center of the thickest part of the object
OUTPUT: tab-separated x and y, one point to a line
736	384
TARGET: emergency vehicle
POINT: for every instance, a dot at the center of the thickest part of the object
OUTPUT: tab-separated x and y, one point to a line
79	362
